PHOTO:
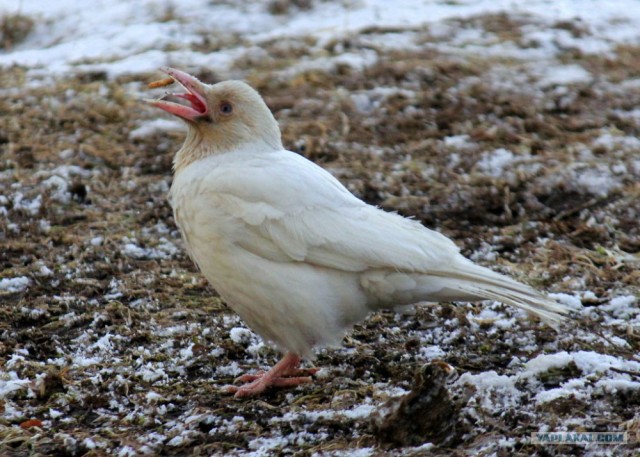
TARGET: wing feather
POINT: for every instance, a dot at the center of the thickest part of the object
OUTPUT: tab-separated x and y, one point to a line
293	210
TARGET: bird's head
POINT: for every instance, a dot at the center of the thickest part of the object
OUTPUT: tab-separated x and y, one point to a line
222	117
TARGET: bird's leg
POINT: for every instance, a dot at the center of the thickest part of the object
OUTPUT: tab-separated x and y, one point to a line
285	373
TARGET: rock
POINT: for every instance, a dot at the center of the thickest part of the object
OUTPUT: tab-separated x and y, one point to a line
426	414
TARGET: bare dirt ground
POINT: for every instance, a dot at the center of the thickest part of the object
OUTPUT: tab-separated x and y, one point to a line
113	344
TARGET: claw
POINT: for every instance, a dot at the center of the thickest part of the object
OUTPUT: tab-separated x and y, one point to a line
249	377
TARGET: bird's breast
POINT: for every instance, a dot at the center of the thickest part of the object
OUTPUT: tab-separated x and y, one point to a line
205	229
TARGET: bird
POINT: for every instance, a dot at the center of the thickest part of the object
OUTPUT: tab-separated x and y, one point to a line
289	248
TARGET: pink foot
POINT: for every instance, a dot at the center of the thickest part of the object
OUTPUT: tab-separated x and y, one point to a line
295	373
283	374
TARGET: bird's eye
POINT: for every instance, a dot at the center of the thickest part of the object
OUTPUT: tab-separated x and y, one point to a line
226	108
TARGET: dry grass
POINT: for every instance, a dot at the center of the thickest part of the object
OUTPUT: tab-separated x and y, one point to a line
14	28
544	227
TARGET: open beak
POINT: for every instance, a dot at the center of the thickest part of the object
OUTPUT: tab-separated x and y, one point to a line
194	95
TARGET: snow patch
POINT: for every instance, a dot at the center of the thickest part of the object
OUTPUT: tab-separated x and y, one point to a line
59	188
241	335
17	284
165	249
598	181
623	307
10	382
562	75
154	127
493	163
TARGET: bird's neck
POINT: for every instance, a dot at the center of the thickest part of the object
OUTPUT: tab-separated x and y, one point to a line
198	146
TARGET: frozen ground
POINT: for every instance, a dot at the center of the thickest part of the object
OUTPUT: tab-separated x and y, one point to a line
510	126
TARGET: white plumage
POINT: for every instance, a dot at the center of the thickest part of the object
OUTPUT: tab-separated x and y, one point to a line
289	248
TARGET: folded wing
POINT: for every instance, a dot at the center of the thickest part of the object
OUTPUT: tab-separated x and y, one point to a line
293	210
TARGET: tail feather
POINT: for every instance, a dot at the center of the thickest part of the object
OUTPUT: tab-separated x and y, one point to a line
478	282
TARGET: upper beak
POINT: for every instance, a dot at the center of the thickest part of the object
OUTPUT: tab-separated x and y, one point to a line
195	95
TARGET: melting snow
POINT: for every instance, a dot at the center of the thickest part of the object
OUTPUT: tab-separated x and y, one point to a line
563	75
493	163
240	335
165	249
598	181
127	36
623	307
155	126
14	284
10	382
